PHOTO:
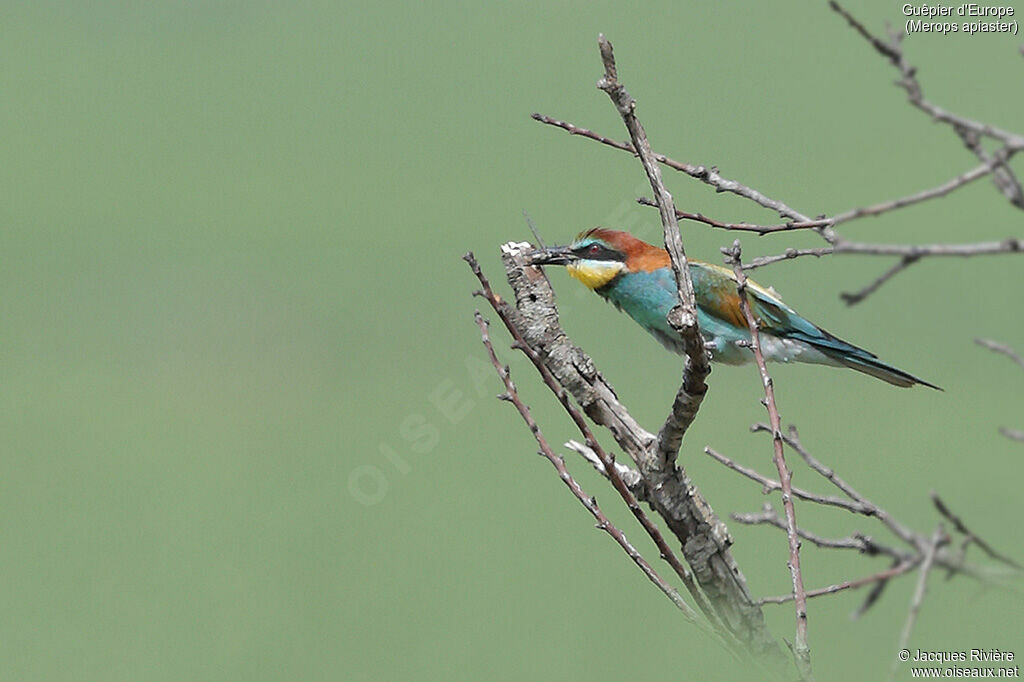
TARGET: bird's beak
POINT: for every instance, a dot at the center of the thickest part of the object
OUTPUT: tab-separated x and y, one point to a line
553	255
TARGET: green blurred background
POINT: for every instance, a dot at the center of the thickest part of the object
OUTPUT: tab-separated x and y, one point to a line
248	431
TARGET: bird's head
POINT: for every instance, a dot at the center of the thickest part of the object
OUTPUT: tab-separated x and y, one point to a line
598	256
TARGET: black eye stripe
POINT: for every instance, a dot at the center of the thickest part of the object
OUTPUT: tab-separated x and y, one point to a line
597	252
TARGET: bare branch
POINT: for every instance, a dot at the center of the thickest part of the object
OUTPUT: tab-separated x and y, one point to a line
1002	348
970	132
918	542
880	577
1010	245
1012	434
703	537
893	51
709	176
862	543
994	164
682	318
792	439
743	227
631	477
610	468
938	538
902	561
873	596
996	347
858	296
942	190
589	502
789	254
769	485
801	650
990	164
970	536
1002	175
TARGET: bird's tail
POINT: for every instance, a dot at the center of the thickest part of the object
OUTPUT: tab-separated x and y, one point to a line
865	362
846	354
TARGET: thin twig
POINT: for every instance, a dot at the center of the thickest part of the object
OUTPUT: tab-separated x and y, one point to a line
1009	245
630	476
709	176
893	51
789	254
1012	434
938	538
962	528
770	485
853	298
874	594
743	227
858	541
990	164
996	347
801	649
918	542
1002	348
792	439
942	190
881	576
1002	175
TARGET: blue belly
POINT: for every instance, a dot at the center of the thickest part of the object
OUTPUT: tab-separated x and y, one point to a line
647	297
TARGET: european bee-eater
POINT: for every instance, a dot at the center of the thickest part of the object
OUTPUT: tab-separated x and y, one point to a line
637	278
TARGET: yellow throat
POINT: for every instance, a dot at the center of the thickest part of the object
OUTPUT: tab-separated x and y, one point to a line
594	274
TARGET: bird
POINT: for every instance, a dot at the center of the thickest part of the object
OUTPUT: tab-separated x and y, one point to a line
637	278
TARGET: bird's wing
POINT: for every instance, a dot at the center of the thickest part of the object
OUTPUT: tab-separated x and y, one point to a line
717	297
716	292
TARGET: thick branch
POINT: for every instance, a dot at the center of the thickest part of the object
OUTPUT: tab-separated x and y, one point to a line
589	502
609	466
683	318
704	538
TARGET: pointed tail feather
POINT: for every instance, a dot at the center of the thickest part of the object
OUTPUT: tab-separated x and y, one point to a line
868	364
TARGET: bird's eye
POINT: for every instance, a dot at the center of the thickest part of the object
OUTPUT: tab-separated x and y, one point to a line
594	250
